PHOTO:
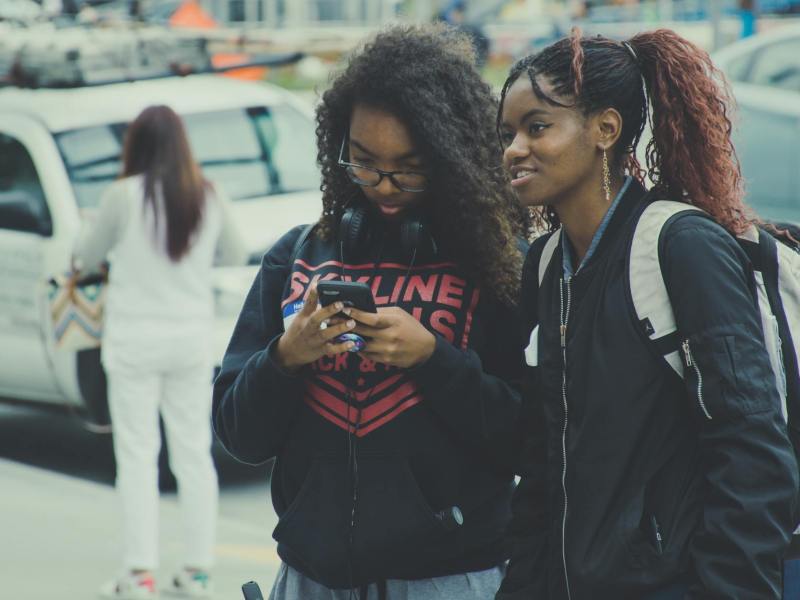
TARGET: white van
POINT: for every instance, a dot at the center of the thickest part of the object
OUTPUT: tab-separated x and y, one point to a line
765	74
60	148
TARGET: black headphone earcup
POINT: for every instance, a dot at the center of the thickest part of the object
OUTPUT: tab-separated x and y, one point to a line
354	234
411	233
417	239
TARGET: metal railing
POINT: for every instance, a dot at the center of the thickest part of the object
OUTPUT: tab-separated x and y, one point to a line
302	13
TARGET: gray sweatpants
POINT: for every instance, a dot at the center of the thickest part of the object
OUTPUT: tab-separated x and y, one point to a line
481	585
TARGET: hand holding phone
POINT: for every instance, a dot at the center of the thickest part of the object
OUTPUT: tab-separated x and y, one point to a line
395	337
307	337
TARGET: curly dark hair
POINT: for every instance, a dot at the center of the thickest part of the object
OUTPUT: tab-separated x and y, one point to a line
691	157
426	77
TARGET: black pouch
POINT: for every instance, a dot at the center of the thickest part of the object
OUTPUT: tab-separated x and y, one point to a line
395	528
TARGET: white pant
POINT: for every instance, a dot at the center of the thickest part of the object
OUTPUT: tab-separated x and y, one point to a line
182	394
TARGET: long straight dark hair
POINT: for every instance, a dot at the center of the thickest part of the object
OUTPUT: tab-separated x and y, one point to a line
156	146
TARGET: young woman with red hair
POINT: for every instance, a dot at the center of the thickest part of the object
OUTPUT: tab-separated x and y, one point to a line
641	484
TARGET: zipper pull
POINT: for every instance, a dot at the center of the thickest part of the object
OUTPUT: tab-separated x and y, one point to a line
687	353
657	534
563	336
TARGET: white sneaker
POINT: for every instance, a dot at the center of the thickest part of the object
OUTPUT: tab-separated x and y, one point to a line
190	584
131	587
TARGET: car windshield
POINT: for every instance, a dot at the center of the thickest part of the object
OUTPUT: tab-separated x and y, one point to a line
250	152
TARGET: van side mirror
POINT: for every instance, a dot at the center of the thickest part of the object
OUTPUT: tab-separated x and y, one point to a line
21	211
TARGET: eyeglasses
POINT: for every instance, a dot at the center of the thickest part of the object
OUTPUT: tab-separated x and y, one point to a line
406	181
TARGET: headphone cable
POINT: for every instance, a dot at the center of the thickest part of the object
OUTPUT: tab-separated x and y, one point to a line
352	441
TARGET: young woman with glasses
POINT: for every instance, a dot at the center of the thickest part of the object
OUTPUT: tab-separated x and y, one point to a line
394	463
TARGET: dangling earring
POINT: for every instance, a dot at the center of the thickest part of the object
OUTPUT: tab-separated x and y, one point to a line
606	177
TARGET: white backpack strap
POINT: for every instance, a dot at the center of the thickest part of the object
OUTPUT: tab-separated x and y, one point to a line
547	253
648	289
777	276
765	266
789	289
545	258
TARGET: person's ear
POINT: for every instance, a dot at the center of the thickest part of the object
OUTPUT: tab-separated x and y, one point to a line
606	128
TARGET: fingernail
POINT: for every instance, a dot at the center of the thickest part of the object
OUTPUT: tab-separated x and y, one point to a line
351	324
339	306
350	345
346	311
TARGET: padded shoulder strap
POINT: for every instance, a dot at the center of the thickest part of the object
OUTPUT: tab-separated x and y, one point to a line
780	271
648	289
300	242
547	253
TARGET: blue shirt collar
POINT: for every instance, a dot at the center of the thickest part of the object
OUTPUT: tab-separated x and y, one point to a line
566	247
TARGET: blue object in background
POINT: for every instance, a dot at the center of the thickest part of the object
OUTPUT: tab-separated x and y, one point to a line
791	578
748	23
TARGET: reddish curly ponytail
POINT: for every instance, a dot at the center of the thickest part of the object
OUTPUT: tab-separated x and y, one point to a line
691	155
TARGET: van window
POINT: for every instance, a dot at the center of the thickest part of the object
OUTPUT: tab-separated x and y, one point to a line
739	68
767	144
250	153
20	185
293	154
777	66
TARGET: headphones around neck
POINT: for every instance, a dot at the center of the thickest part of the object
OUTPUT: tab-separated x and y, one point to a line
358	229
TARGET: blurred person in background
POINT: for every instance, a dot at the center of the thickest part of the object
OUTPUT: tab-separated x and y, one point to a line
455	15
395	458
748	15
640	484
161	227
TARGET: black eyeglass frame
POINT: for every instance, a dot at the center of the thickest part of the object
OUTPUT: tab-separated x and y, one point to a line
381	174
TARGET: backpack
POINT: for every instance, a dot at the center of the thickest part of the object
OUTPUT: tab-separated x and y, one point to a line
776	278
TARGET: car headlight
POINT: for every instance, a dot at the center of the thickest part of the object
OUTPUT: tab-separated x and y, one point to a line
230	290
256	257
227	303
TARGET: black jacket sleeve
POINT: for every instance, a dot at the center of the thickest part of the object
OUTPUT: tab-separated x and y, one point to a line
526	576
478	400
478	396
750	472
255	401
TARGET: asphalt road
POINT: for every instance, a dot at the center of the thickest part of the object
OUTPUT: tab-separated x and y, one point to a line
59	522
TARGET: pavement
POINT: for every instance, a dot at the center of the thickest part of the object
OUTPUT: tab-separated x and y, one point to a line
59	532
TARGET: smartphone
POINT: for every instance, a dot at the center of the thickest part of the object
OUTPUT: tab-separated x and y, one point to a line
352	294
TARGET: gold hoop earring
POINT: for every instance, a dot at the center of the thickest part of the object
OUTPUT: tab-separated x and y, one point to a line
606	177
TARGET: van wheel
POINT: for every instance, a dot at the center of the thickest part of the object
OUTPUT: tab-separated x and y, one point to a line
92	385
166	480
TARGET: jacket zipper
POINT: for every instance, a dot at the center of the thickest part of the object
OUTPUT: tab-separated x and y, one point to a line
691	362
657	539
564	320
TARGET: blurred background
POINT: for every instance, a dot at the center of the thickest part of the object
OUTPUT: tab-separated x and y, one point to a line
244	75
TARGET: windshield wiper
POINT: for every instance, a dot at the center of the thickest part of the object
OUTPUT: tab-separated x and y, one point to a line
95	162
219	162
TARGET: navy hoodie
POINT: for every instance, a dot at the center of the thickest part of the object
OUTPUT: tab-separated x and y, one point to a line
412	443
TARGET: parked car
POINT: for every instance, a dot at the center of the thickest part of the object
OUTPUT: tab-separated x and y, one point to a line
60	148
765	74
